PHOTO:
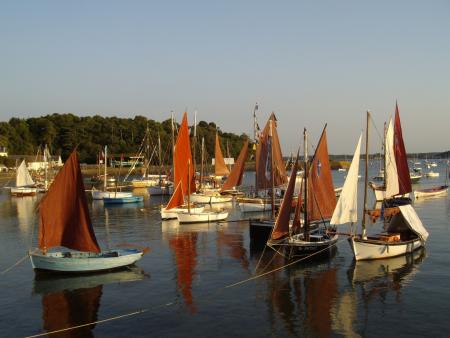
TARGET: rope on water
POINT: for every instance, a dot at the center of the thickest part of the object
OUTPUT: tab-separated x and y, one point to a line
91	323
15	264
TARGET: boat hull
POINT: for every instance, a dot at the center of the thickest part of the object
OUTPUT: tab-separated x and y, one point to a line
123	200
172	213
254	205
373	249
158	190
202	217
99	195
430	192
23	191
75	261
260	230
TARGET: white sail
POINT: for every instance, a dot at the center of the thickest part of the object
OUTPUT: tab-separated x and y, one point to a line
23	177
391	176
346	207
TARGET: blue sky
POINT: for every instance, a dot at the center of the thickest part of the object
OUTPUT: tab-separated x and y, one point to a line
311	62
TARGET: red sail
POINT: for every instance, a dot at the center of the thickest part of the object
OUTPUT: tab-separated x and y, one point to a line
268	146
176	199
182	157
64	215
235	177
220	168
321	196
404	180
281	228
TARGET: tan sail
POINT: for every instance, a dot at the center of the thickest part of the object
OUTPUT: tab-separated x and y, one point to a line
321	196
64	216
220	168
235	177
266	147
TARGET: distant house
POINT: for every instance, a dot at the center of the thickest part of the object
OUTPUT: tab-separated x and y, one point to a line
3	152
228	161
37	162
3	168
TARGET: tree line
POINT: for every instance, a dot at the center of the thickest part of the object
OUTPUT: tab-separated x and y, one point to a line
63	132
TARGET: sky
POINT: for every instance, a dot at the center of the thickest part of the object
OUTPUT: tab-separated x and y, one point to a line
311	62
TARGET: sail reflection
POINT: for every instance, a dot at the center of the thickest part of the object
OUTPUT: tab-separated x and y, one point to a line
184	248
234	242
69	301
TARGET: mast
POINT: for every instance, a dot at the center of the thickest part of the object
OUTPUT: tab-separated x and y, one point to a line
202	161
228	155
147	152
45	168
366	179
173	145
255	127
189	186
305	212
194	139
272	172
106	161
160	158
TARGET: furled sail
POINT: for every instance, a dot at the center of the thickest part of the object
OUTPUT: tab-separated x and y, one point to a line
64	215
182	157
269	157
220	168
347	205
321	196
404	180
235	177
390	176
23	177
281	228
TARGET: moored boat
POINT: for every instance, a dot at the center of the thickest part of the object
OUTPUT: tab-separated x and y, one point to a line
24	183
431	192
201	217
122	200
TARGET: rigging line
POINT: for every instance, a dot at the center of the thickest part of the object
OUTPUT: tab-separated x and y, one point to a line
93	323
279	268
376	129
14	265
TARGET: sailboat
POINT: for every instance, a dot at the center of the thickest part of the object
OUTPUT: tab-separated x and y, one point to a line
100	195
404	232
235	178
270	170
183	175
67	241
210	196
163	187
24	182
320	201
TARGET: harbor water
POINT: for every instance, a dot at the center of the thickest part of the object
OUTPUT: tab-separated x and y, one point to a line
196	281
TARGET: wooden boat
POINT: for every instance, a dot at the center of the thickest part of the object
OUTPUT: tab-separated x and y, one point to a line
209	198
415	176
24	182
431	192
67	240
431	173
122	200
270	173
320	201
404	231
183	176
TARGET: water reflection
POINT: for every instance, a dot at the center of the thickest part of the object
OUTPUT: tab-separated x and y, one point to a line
69	300
26	211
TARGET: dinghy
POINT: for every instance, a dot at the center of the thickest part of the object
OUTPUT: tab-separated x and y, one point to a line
67	241
431	192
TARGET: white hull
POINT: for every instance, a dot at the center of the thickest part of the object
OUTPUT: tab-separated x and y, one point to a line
172	213
75	261
160	190
423	194
374	249
432	174
254	207
202	217
99	195
23	191
210	199
144	183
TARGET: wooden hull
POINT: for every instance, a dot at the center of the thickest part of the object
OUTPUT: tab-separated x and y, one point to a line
99	195
375	249
260	230
82	262
432	192
317	244
210	199
172	213
254	205
23	191
202	217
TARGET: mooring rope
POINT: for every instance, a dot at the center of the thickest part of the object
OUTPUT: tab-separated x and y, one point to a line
15	264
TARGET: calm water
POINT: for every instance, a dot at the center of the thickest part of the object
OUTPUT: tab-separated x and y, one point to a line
181	282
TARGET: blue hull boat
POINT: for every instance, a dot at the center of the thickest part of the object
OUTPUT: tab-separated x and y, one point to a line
121	200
